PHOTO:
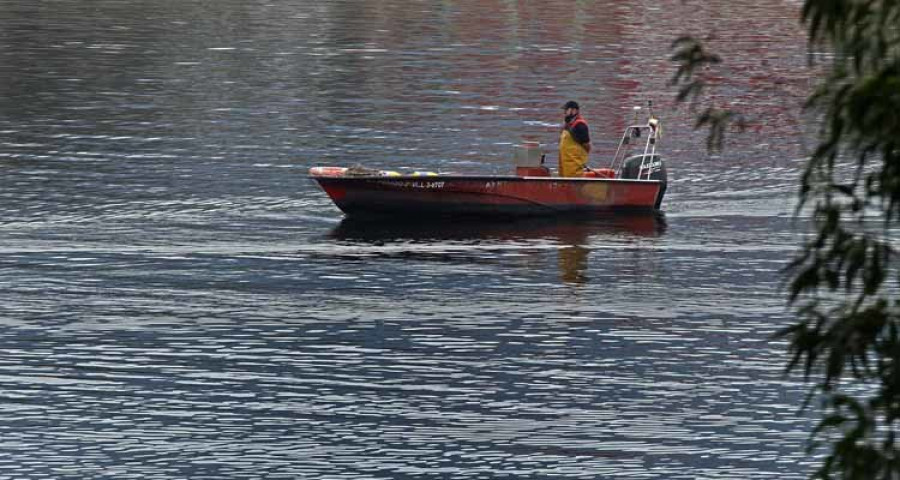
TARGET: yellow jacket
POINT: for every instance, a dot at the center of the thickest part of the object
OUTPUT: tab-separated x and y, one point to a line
573	157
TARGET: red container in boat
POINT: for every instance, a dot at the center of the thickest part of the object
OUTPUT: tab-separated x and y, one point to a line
600	173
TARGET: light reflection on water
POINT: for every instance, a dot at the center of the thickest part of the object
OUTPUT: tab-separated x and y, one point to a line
179	300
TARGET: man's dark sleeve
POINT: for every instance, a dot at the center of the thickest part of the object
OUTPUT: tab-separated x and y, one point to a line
581	133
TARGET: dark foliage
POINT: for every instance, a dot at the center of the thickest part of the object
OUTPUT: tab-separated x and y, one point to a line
843	283
693	60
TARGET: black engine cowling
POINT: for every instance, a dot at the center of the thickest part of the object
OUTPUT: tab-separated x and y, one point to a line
657	171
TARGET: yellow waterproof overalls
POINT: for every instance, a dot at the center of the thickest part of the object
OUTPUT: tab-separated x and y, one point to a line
572	155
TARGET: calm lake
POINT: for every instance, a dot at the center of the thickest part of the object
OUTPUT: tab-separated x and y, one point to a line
178	300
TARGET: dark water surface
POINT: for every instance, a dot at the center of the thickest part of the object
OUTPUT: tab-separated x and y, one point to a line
178	300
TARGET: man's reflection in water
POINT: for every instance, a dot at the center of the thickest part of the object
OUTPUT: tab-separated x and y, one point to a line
573	256
573	264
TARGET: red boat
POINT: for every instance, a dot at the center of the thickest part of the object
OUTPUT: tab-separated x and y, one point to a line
632	182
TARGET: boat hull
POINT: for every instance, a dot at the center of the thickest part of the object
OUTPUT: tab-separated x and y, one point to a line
488	195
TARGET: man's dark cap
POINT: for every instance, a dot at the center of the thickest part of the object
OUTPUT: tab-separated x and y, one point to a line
571	104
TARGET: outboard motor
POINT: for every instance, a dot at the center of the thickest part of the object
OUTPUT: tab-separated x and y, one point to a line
647	165
640	166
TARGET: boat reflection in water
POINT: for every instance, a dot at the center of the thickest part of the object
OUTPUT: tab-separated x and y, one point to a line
572	236
564	228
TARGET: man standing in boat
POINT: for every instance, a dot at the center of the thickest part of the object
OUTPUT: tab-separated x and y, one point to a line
574	142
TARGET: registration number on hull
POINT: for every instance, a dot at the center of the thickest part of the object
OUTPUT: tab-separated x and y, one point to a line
415	185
